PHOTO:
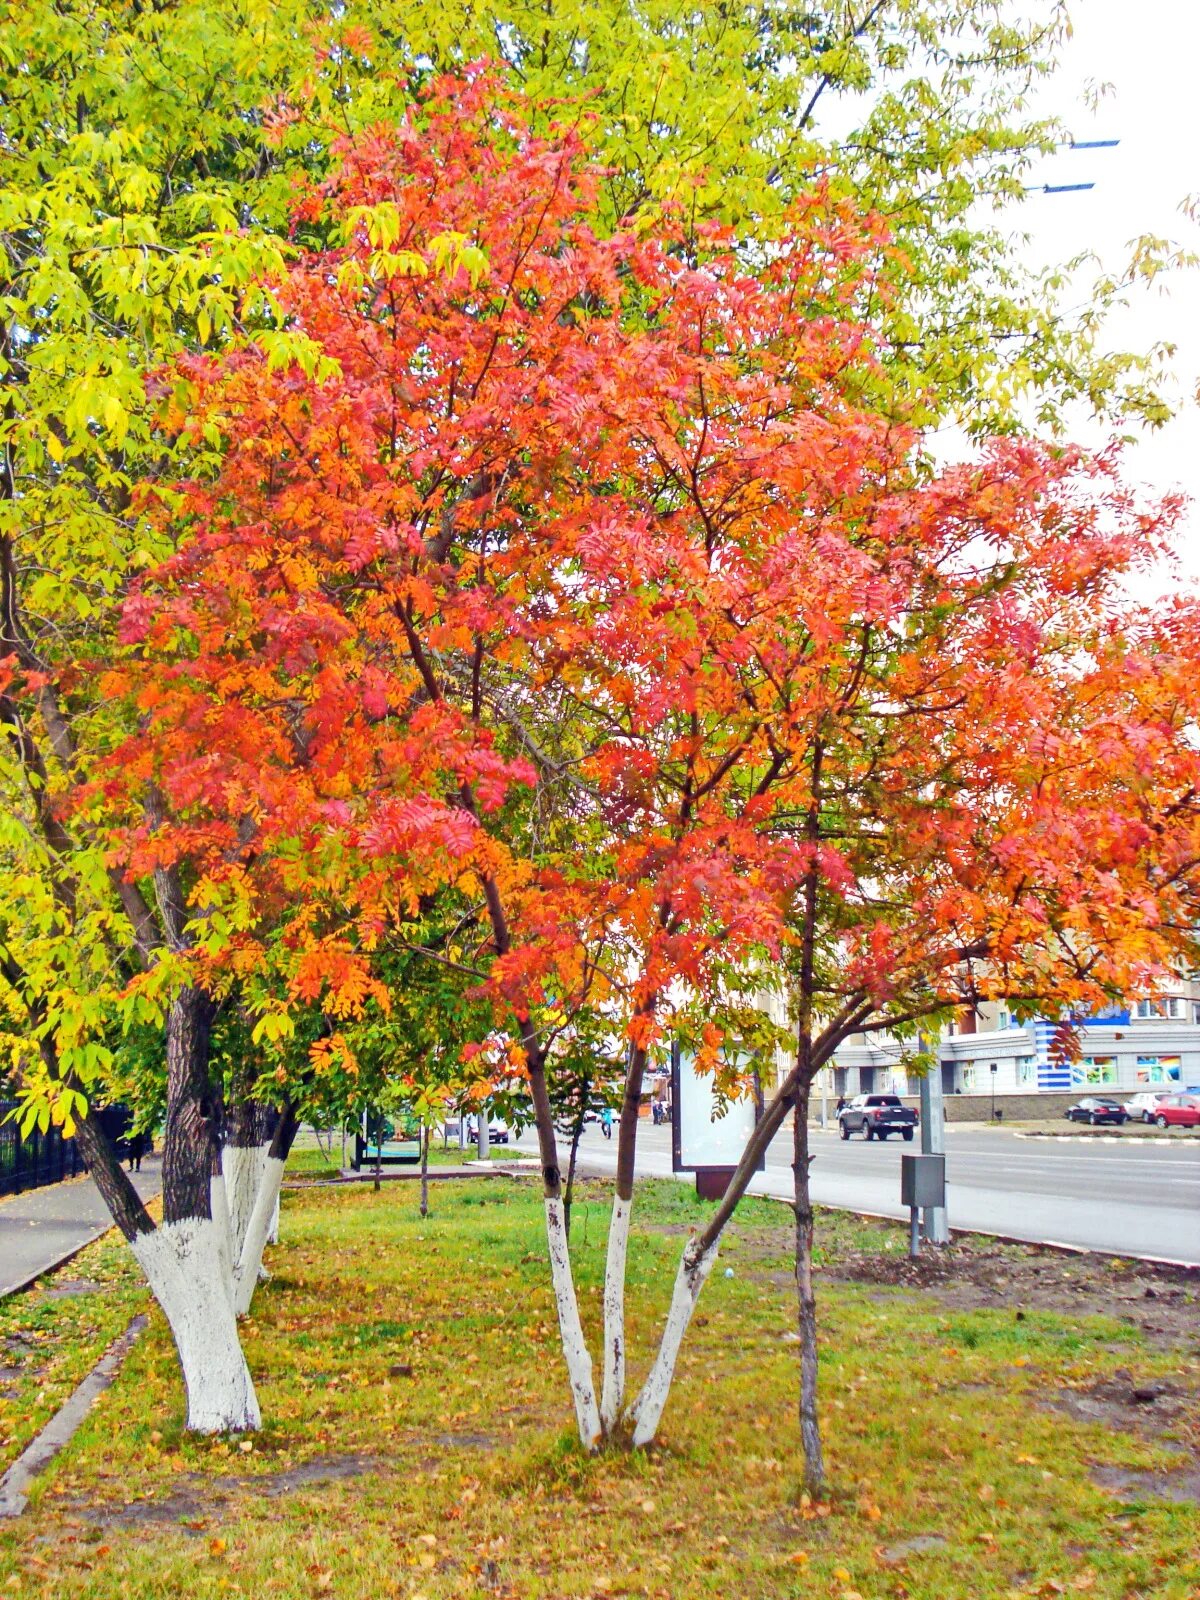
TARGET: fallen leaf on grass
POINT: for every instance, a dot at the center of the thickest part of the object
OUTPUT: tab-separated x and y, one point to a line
217	1547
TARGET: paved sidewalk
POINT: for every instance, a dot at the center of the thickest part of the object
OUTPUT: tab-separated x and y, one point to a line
42	1227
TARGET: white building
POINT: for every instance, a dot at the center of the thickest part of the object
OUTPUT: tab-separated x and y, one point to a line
1154	1043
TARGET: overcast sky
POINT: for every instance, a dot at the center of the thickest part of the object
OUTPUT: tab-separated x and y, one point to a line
1149	50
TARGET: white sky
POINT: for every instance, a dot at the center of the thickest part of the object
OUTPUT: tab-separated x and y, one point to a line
1149	51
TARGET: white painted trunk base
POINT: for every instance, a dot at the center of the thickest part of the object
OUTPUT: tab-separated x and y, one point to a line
218	1201
258	1228
242	1167
646	1411
574	1346
612	1397
182	1261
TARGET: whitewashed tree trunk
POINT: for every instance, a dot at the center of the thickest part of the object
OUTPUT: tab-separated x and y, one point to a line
612	1396
258	1229
182	1261
242	1166
646	1412
574	1346
218	1200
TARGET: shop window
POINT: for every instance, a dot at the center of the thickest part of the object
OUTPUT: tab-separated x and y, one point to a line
1095	1071
1026	1071
967	1076
1159	1069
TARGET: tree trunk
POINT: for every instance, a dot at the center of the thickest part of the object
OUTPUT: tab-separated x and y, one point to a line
188	1141
424	1171
258	1228
613	1391
118	1193
806	1304
570	1330
182	1262
242	1166
572	1158
183	1259
695	1265
646	1412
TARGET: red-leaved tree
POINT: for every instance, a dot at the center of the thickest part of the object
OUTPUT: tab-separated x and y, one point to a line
593	584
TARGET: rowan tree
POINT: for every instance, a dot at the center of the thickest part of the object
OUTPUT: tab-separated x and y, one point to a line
521	477
148	162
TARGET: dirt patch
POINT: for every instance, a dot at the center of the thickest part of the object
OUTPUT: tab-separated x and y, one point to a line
1161	1301
197	1499
68	1288
1182	1487
1164	1411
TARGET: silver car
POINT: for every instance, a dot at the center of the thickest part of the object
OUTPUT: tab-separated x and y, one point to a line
1142	1107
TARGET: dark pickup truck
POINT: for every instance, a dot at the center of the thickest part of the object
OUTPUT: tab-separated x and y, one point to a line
877	1115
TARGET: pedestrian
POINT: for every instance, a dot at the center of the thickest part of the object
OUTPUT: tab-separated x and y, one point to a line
135	1149
606	1122
841	1105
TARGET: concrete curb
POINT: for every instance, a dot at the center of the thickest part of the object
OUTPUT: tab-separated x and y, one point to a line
62	1427
1096	1137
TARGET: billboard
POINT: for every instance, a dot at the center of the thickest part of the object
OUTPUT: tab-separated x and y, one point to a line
706	1132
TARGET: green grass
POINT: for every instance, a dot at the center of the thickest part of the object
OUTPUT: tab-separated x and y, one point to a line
49	1340
934	1422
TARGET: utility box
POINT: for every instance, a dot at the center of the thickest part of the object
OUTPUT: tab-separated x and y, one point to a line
922	1181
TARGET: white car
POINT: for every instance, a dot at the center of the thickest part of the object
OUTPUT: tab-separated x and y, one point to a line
1142	1107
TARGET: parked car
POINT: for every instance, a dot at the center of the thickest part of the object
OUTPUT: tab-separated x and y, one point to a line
1097	1110
877	1115
497	1131
1179	1111
1143	1106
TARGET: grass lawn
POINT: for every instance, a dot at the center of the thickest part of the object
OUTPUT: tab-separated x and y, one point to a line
418	1441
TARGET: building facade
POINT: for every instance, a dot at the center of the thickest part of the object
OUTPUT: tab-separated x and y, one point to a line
1151	1044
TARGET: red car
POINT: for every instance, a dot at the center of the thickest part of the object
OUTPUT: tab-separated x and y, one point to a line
1179	1111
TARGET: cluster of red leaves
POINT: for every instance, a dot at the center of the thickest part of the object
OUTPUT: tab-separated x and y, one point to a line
619	520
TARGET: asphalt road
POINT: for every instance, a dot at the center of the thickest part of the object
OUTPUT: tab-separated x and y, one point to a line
1126	1198
42	1227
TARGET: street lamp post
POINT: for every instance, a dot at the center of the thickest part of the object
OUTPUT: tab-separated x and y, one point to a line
994	1070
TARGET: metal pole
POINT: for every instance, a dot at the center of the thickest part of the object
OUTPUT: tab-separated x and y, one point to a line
933	1143
824	1097
914	1231
484	1153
